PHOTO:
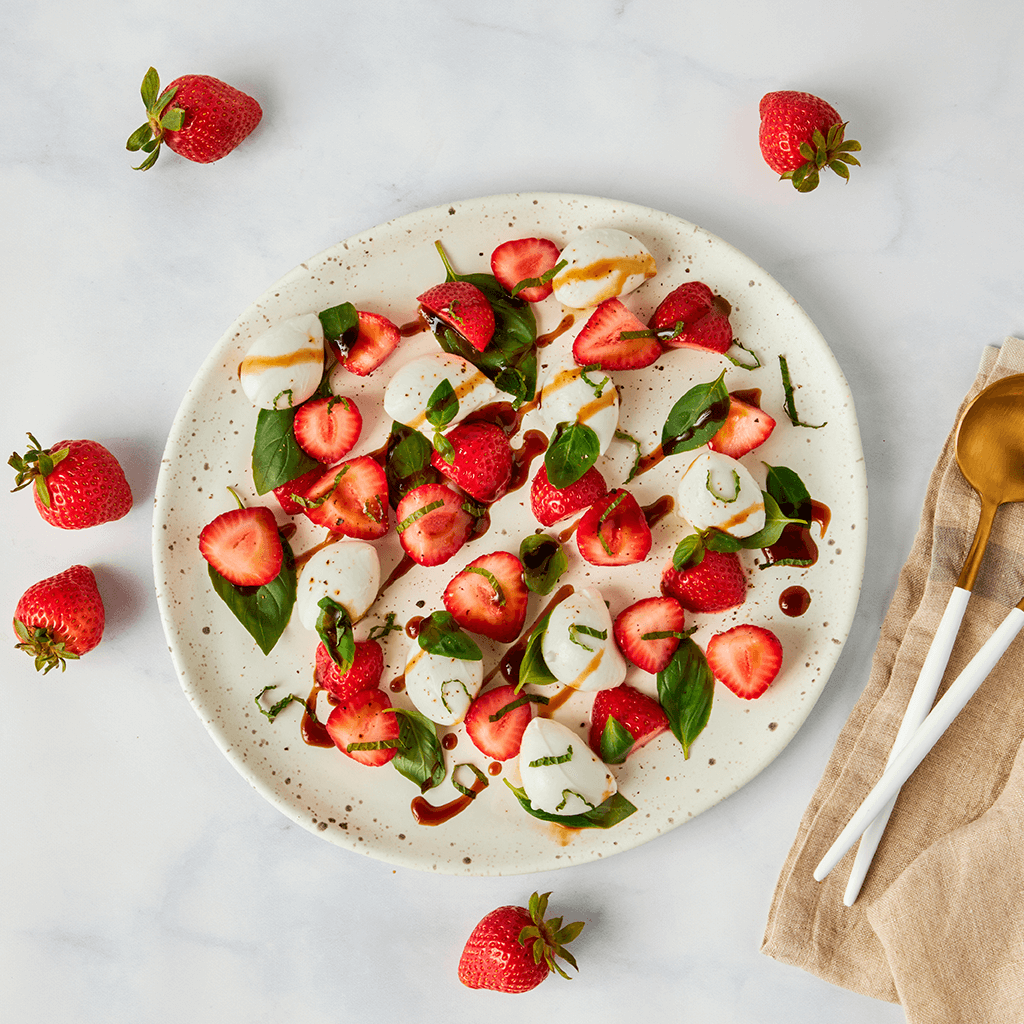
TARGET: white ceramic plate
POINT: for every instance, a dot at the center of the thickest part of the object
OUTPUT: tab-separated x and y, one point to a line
383	270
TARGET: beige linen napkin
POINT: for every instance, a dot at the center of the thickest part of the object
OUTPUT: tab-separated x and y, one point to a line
939	924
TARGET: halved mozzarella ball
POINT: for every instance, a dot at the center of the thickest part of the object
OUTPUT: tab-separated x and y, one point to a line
285	364
578	645
565	396
716	490
440	687
559	771
347	571
602	264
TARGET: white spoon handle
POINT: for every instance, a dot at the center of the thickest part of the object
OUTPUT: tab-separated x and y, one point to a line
924	738
921	700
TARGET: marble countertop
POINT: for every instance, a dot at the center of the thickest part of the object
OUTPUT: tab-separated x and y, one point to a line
143	878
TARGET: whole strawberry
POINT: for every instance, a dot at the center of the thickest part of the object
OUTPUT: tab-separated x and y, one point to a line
77	483
199	117
513	949
801	135
60	617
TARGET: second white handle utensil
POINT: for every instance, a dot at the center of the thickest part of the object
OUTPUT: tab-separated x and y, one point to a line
924	738
921	700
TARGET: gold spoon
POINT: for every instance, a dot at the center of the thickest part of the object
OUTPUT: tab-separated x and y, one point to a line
990	453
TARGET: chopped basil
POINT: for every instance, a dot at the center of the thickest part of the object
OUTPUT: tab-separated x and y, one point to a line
615	809
466	790
790	403
546	762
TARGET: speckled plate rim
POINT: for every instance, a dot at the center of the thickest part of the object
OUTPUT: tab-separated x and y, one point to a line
737	745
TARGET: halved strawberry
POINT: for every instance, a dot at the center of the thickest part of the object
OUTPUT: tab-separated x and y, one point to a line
642	717
365	673
495	731
433	523
243	545
490	596
746	427
463	307
481	460
327	429
299	487
614	531
692	316
364	719
746	658
648	632
601	343
714	585
524	259
350	498
552	504
378	337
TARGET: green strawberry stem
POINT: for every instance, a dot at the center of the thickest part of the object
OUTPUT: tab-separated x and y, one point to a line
34	467
548	938
159	120
47	650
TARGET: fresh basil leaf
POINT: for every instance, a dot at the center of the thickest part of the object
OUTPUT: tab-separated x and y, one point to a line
616	741
440	634
544	561
420	757
263	611
443	405
533	670
334	627
718	540
339	321
407	462
615	809
774	523
789	491
686	688
276	456
689	552
573	449
696	417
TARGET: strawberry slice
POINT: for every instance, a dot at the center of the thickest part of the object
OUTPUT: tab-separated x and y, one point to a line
378	337
642	717
433	523
746	426
552	504
243	545
299	487
363	718
648	632
490	596
463	307
601	343
525	259
364	674
496	721
350	498
714	585
692	316
614	531
481	460
746	658
327	429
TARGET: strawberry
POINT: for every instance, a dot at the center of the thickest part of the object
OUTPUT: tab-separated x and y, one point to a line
692	316
199	117
746	426
552	504
327	429
800	135
378	337
481	460
513	949
489	597
243	545
746	658
614	531
641	716
432	523
496	721
77	484
714	584
364	674
364	719
463	307
60	617
525	259
600	342
350	498
299	487
634	626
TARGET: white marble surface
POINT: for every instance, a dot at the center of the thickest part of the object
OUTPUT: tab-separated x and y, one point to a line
142	879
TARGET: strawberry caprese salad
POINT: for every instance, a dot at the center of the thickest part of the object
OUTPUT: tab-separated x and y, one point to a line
455	412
